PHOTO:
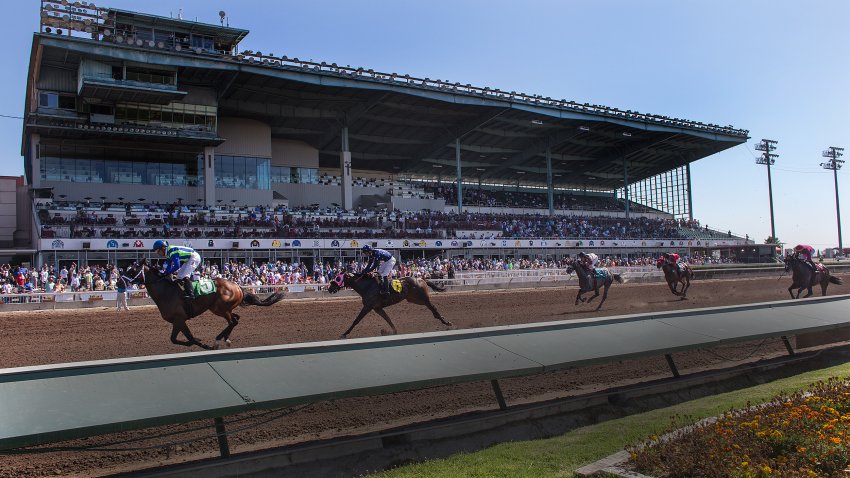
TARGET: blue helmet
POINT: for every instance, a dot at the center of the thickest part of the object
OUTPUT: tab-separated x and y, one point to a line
367	248
159	244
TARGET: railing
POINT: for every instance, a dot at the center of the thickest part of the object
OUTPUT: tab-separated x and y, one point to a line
223	383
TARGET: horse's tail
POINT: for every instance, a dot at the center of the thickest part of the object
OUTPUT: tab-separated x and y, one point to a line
618	278
249	298
836	280
435	286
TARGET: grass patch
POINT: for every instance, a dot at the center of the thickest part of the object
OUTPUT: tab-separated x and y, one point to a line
561	456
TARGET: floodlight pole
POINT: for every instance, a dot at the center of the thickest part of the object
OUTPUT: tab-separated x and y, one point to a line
459	182
549	186
835	164
768	158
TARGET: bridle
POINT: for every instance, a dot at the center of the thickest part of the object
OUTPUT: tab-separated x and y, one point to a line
140	273
339	280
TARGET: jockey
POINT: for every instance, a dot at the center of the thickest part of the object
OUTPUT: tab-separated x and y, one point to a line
385	269
589	261
672	258
181	260
803	251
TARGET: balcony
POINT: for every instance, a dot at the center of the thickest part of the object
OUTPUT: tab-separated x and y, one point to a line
64	126
106	88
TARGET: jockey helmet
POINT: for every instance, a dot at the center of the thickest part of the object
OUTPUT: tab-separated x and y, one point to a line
159	244
582	254
799	247
367	248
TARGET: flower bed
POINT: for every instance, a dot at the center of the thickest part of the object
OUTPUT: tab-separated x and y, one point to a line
799	435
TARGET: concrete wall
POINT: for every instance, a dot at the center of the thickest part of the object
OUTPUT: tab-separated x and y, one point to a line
306	194
130	192
245	137
8	210
419	204
294	153
198	95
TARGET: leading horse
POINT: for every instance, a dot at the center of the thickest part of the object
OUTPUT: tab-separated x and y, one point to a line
588	282
168	297
802	277
676	274
413	289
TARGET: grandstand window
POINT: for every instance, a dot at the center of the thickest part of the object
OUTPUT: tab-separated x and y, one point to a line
55	100
242	172
280	174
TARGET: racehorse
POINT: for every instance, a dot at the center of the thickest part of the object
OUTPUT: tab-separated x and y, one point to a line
168	297
414	290
803	278
676	274
587	282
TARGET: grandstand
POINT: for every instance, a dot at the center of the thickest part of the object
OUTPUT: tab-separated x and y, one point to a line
139	127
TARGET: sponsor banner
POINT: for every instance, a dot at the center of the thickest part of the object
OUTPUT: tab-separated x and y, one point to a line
247	244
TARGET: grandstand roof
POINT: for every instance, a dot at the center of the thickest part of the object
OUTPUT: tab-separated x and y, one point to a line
404	125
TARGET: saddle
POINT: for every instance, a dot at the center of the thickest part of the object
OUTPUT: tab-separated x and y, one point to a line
200	287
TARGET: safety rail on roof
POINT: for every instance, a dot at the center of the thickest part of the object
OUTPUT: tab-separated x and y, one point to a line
89	19
48	403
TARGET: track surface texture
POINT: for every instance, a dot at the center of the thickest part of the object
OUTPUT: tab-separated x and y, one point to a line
47	337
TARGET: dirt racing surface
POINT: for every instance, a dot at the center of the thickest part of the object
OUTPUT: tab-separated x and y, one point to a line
47	337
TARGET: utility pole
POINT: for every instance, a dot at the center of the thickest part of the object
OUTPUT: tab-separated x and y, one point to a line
767	158
834	164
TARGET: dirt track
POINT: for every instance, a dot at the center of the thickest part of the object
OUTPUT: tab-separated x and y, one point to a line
44	337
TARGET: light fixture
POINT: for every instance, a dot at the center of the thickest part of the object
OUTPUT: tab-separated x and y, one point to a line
627	134
537	121
584	128
437	165
480	169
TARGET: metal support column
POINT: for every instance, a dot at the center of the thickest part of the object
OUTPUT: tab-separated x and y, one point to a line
838	211
345	165
626	184
690	196
499	397
221	434
672	365
549	187
788	346
208	158
459	183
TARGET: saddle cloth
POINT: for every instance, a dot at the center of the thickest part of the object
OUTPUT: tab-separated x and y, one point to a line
599	272
396	284
203	287
820	267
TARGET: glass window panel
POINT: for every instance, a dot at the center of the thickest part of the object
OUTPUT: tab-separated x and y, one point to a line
250	173
264	174
293	176
178	174
67	102
144	114
140	173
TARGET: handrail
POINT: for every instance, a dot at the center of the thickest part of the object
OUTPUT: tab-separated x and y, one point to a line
214	384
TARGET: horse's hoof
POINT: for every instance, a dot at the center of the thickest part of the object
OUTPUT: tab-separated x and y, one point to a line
216	345
449	324
227	341
384	332
343	336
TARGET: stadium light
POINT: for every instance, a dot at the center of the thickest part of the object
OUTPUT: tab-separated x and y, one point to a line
835	164
584	128
767	158
537	121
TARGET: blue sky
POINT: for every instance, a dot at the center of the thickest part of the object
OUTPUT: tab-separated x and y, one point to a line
776	68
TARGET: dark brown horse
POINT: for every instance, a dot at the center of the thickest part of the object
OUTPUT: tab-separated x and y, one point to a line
588	282
414	290
676	274
803	277
168	297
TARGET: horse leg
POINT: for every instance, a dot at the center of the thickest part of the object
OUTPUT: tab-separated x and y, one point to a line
363	312
604	295
191	340
823	285
232	321
594	295
380	311
579	297
809	290
437	315
791	290
672	286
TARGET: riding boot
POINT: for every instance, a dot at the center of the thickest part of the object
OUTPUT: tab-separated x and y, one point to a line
188	289
385	285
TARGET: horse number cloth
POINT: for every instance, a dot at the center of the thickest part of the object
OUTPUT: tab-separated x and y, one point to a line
599	272
203	287
396	285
